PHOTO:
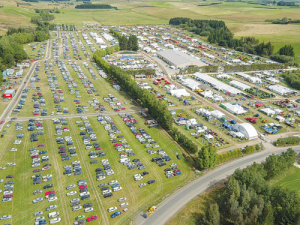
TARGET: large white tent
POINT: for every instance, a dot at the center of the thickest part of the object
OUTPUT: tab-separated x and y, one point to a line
216	83
179	93
246	129
234	108
217	114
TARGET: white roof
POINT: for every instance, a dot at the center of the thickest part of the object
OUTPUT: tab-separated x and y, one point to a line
247	129
240	85
217	114
179	92
179	58
9	91
234	108
216	83
268	111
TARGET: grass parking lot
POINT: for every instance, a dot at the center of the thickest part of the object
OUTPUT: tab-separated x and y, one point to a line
22	209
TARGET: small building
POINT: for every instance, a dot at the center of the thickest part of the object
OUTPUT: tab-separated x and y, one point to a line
9	93
247	130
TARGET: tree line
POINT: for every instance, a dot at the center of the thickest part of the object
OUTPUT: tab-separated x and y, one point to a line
55	10
44	15
254	67
292	78
157	109
237	153
94	6
218	33
249	199
11	44
287	141
125	43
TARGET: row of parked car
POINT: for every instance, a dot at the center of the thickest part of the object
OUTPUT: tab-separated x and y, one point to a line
40	161
74	168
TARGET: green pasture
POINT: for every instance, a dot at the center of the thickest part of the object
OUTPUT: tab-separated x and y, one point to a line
290	181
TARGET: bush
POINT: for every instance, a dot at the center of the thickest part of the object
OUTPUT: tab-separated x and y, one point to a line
287	141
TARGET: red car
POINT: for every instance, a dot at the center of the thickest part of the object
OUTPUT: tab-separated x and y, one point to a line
7	196
116	145
36	170
1	122
98	148
35	156
83	186
63	148
50	192
91	218
177	170
41	145
47	168
10	176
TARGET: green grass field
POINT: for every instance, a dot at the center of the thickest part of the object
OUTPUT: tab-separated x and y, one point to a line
291	180
22	208
242	18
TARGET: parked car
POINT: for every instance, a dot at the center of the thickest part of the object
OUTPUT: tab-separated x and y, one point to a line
115	214
92	218
111	209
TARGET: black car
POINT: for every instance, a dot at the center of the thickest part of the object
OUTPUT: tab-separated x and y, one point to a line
87	205
144	173
48	186
151	181
108	195
104	188
178	156
162	164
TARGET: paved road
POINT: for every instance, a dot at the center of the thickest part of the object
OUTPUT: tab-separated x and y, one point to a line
178	200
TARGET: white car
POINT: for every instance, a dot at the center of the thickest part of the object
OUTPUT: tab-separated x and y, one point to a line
55	220
37	200
13	150
1	180
90	209
10	164
112	182
51	207
39	218
84	193
142	185
111	209
72	193
5	217
6	200
76	208
2	168
52	199
124	204
122	199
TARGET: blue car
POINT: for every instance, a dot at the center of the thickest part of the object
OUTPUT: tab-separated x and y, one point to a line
115	214
42	222
66	158
42	152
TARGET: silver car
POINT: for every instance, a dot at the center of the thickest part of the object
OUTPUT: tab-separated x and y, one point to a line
37	200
